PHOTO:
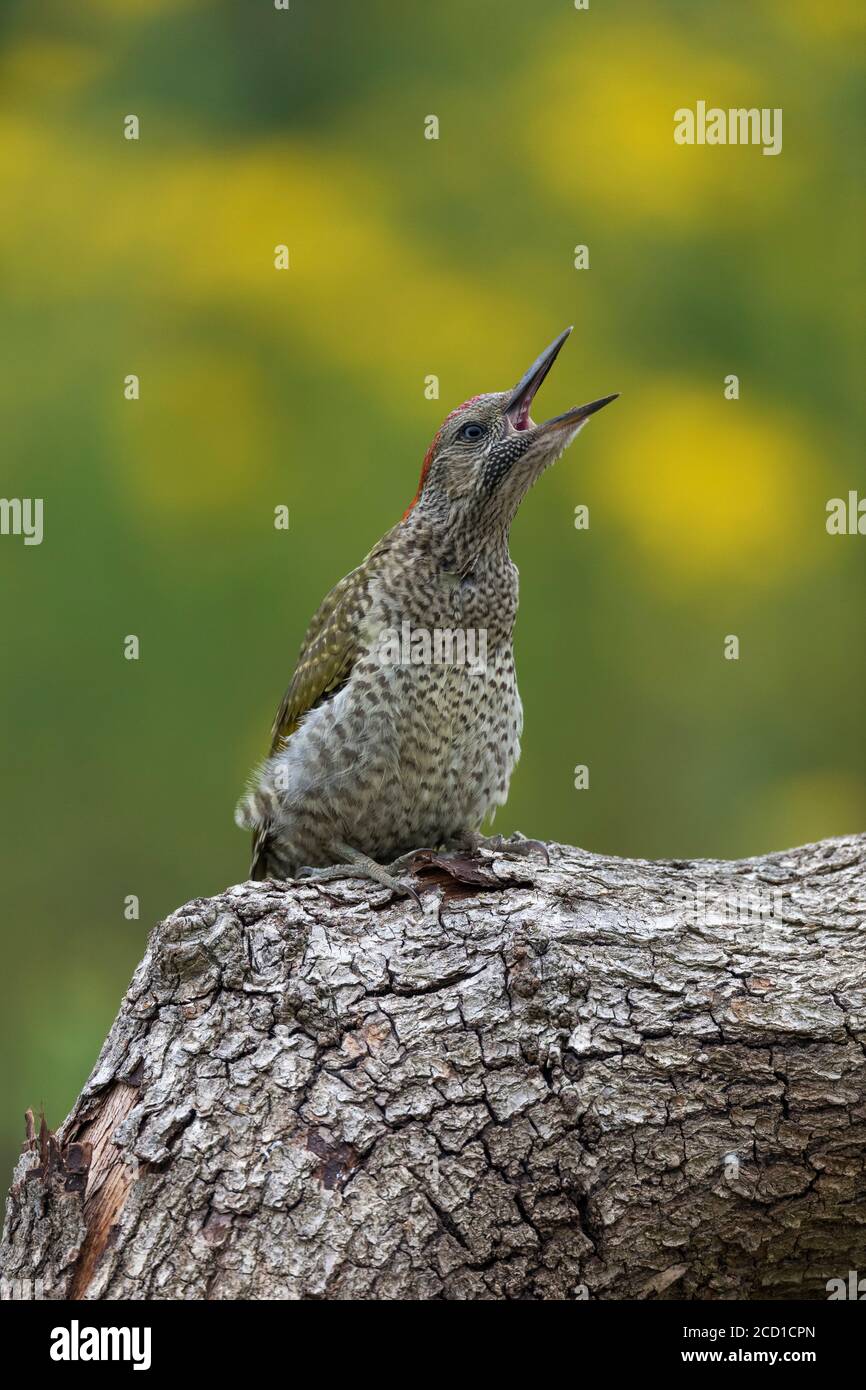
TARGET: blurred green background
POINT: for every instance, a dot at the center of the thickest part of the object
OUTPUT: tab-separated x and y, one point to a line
411	257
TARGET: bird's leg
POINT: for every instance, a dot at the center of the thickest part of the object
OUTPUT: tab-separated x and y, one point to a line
518	844
358	865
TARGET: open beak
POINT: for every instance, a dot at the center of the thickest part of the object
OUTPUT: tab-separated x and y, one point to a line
577	414
520	401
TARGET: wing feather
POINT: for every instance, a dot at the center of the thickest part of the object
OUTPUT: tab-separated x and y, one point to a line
328	653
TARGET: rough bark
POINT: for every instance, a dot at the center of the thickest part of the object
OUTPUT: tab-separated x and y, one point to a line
596	1077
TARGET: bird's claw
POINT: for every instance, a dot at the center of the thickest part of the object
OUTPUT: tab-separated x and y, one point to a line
372	872
516	844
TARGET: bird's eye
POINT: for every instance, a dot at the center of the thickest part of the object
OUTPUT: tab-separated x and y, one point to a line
472	432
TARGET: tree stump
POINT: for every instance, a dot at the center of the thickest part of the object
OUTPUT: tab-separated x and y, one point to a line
589	1078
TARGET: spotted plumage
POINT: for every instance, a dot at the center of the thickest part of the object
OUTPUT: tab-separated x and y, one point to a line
393	734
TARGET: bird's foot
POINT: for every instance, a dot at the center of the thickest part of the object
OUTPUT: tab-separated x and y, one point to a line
516	844
407	861
359	865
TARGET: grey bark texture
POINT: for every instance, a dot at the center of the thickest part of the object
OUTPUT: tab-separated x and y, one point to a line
594	1078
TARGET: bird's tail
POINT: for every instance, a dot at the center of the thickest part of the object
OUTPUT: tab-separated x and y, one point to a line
250	814
259	856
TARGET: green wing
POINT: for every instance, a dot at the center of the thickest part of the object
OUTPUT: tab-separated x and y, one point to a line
329	651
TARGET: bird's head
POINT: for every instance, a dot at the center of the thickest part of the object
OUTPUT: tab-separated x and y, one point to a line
489	451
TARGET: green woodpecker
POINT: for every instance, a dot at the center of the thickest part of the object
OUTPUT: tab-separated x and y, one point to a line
401	726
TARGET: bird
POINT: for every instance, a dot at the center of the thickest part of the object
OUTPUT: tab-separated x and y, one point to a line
401	726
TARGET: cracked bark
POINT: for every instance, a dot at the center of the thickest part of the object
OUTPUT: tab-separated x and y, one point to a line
598	1078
